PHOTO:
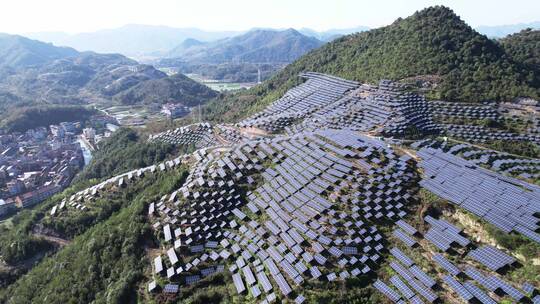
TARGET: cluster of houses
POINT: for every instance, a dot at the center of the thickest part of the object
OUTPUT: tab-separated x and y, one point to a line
37	164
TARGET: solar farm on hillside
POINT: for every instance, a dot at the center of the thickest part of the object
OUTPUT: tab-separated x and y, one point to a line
323	188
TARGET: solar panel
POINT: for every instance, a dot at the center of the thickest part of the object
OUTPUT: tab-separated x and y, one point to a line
422	276
158	265
478	293
406	227
402	287
458	288
299	299
263	279
238	283
250	278
407	240
387	291
284	287
192	279
398	254
170	288
446	265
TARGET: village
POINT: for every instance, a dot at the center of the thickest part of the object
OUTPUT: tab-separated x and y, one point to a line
38	163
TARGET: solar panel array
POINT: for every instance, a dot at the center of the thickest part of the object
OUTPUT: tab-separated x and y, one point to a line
491	257
200	135
491	283
318	91
388	109
83	199
528	168
507	203
463	110
287	222
280	210
483	134
443	234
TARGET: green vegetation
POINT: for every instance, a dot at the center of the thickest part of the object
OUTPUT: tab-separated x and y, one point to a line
31	74
25	118
176	88
529	271
17	242
514	242
523	148
73	222
524	47
106	261
126	150
432	42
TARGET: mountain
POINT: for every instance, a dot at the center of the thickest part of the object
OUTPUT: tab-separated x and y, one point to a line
185	45
499	31
524	47
131	40
311	200
433	45
18	52
257	46
332	34
142	41
176	88
36	73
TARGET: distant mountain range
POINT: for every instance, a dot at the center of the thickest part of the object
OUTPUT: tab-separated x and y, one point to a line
144	41
17	51
130	40
332	34
258	46
141	41
500	31
33	72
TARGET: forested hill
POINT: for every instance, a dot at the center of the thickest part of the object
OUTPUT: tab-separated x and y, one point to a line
35	73
431	42
524	47
175	88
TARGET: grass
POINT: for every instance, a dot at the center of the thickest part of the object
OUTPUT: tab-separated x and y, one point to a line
7	223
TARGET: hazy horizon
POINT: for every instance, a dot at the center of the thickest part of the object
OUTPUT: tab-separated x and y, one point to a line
27	16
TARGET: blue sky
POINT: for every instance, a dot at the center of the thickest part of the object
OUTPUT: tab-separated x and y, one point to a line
20	16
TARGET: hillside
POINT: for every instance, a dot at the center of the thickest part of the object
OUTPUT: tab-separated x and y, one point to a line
434	42
124	150
315	199
20	52
176	88
327	199
258	46
24	118
524	47
37	73
322	190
